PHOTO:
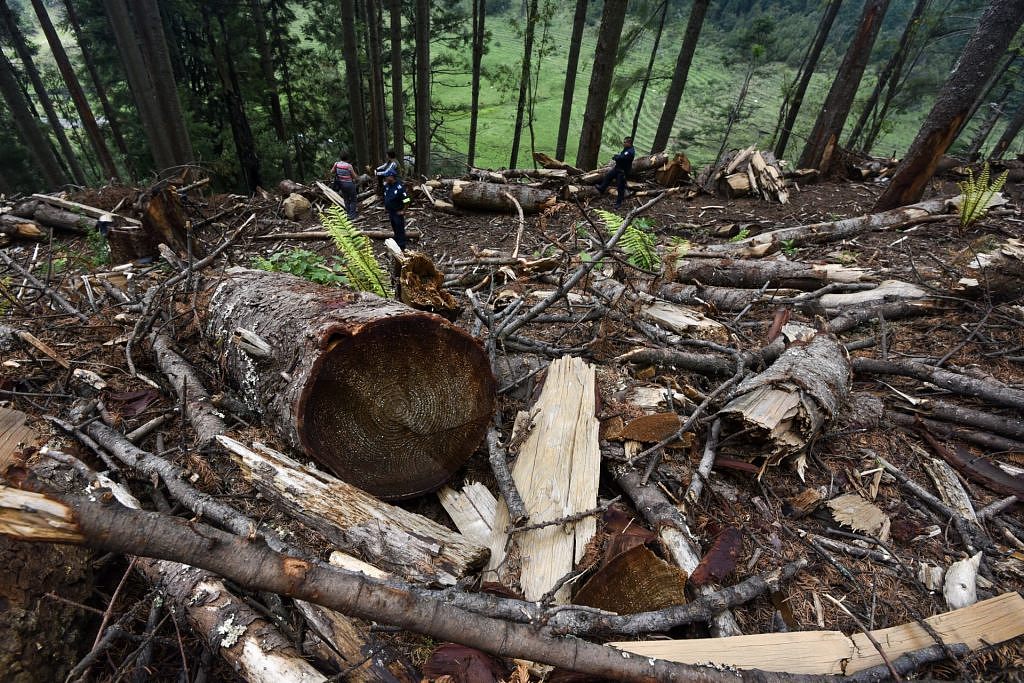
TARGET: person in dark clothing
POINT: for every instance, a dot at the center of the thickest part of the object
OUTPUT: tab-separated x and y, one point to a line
395	201
344	181
623	162
390	165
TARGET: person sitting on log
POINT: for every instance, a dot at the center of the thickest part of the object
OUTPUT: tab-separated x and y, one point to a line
344	181
623	162
395	200
390	165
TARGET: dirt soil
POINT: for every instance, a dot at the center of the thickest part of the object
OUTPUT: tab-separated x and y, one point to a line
976	337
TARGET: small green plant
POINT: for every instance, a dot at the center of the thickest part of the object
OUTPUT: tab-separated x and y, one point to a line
357	259
99	251
977	194
637	241
743	234
789	247
301	262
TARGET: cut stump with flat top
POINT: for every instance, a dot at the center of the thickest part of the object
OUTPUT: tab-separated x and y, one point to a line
391	399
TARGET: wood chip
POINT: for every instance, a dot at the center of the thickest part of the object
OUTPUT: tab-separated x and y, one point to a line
860	515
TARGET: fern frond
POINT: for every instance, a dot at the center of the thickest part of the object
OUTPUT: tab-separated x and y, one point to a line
978	193
637	241
357	259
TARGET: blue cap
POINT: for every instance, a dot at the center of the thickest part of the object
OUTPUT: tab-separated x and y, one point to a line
390	171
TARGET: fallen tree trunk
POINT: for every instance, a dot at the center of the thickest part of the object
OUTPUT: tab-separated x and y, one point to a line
388	537
54	217
641	165
491	197
552	163
363	385
49	518
754	274
14	227
721	298
311	235
792	401
996	394
818	233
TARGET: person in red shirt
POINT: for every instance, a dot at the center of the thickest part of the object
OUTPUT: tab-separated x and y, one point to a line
344	181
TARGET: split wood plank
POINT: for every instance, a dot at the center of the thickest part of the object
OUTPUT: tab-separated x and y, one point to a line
390	538
44	348
472	509
831	652
685	320
13	432
557	473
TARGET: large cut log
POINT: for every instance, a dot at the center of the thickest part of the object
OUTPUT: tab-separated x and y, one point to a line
388	537
392	400
83	209
754	274
641	165
552	163
792	401
15	227
491	197
64	220
557	473
833	231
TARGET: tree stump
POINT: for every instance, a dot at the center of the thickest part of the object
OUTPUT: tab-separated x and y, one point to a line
390	399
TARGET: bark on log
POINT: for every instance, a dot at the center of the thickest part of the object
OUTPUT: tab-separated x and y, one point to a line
388	537
15	227
64	220
795	398
252	565
390	399
552	163
491	197
641	166
420	285
83	209
721	298
997	394
754	274
949	412
819	233
188	385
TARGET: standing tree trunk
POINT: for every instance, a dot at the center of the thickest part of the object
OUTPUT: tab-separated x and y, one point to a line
795	99
378	127
397	91
101	92
1012	129
150	29
479	21
354	381
612	18
349	47
679	75
524	80
140	83
579	22
16	37
280	43
423	87
28	129
891	73
663	8
270	82
821	144
994	111
996	28
241	131
99	145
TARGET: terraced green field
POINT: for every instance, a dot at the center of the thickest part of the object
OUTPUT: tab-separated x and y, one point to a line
710	92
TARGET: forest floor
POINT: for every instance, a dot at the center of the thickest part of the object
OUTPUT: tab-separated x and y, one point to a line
981	338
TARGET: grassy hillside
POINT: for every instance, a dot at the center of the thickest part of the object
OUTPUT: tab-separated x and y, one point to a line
714	81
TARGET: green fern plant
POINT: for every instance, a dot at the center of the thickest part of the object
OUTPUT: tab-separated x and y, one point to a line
638	241
977	194
357	260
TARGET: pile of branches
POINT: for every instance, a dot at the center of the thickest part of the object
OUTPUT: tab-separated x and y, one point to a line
682	367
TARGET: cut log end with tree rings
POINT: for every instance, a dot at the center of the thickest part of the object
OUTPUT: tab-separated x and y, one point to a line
390	399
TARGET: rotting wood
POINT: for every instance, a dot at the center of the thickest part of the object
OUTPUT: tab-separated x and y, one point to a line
557	472
14	435
163	220
634	581
830	652
491	197
353	381
397	541
420	285
795	398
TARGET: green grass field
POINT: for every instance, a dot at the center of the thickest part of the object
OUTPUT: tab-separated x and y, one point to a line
710	92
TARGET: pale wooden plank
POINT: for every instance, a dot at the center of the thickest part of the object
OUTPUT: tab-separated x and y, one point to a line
990	621
798	652
557	474
823	652
472	509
